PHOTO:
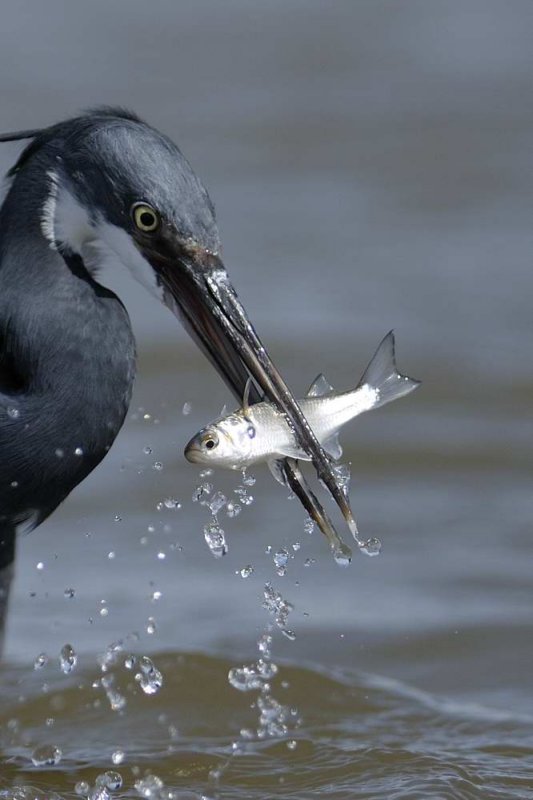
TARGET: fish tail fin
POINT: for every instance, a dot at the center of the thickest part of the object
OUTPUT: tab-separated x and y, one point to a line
382	376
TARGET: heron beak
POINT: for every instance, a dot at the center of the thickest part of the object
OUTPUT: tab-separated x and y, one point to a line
199	292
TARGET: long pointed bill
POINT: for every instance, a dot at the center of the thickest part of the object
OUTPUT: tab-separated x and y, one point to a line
203	297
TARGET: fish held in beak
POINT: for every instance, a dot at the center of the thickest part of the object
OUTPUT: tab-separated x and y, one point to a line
201	295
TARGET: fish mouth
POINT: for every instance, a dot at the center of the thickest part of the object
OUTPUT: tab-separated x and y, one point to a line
193	454
199	292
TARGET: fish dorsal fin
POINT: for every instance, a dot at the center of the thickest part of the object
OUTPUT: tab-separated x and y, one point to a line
319	387
275	466
332	446
246	397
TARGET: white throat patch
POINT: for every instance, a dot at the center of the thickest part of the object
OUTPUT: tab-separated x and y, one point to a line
99	243
64	219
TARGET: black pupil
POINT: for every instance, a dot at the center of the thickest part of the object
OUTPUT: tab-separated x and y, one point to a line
147	219
210	444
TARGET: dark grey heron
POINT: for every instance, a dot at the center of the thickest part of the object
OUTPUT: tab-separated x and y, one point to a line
102	186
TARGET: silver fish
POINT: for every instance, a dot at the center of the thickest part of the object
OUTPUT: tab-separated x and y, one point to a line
261	433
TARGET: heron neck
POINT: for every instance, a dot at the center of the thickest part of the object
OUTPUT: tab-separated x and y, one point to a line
67	355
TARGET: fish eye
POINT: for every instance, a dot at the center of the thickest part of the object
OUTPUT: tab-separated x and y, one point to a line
145	217
210	441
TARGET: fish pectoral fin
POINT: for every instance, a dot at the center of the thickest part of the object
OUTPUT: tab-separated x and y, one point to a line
332	446
292	451
319	387
275	466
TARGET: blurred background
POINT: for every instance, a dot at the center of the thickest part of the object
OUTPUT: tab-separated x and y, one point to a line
370	163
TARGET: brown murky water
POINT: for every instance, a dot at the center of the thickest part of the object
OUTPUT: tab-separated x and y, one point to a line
371	166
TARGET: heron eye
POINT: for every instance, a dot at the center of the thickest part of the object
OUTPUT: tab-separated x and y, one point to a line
145	217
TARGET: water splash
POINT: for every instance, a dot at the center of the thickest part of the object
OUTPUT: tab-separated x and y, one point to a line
278	607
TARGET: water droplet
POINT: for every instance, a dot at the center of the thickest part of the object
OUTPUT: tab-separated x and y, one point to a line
161	556
342	473
157	465
59	452
13	412
372	547
171	503
200	493
40	565
309	525
149	678
264	644
156	595
147	451
217	502
215	539
130	661
14	484
111	555
187	408
233	509
118	757
82	788
149	786
151	627
41	661
104	612
117	518
248	480
69	593
276	605
110	780
78	451
205	473
296	546
47	755
281	558
246	571
343	555
67	658
117	701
